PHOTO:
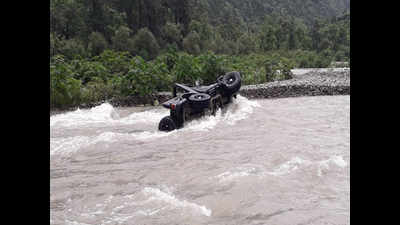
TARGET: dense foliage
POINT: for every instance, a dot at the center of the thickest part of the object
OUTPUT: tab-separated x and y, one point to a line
88	27
106	48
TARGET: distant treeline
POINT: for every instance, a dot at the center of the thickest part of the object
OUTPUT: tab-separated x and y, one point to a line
148	28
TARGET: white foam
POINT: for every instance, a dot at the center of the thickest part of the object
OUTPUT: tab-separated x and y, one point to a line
146	116
239	109
70	145
236	173
121	218
150	212
104	114
339	161
64	146
158	195
204	124
69	222
150	135
296	163
289	166
67	146
333	160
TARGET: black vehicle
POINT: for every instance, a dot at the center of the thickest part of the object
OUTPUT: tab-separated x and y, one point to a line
193	102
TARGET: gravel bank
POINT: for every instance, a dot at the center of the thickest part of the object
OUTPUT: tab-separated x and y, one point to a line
312	83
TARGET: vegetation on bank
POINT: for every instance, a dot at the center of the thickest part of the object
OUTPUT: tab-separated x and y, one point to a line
118	74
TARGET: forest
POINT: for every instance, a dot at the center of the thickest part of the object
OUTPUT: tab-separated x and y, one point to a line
100	49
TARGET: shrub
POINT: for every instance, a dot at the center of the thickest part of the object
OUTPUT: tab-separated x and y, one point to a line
186	69
145	78
64	89
97	90
117	63
86	70
211	67
278	69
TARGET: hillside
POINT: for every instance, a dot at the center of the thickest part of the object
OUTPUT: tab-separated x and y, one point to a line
253	11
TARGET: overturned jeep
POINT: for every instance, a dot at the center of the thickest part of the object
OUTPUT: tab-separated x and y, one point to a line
193	102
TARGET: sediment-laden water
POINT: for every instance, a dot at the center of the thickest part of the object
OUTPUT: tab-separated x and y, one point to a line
271	161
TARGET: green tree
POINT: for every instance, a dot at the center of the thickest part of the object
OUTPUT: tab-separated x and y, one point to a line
121	40
246	44
145	44
268	39
172	34
97	43
192	43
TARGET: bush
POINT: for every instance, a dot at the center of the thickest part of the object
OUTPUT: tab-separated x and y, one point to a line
117	63
145	78
87	71
278	69
97	90
186	69
211	67
64	89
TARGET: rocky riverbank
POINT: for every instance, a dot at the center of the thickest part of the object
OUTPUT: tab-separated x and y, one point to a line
312	83
305	82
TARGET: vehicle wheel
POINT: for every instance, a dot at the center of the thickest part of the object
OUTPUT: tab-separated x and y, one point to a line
166	124
200	100
231	82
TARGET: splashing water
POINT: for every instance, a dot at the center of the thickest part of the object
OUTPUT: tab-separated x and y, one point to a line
106	115
156	194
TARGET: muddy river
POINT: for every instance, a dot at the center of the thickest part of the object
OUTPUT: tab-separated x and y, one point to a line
270	161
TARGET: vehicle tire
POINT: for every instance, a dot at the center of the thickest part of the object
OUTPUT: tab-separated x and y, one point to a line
231	82
166	124
199	100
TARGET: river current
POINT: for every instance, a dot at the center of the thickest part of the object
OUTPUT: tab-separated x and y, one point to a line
267	161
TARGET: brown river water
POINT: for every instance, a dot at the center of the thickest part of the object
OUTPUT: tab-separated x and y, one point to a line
267	161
